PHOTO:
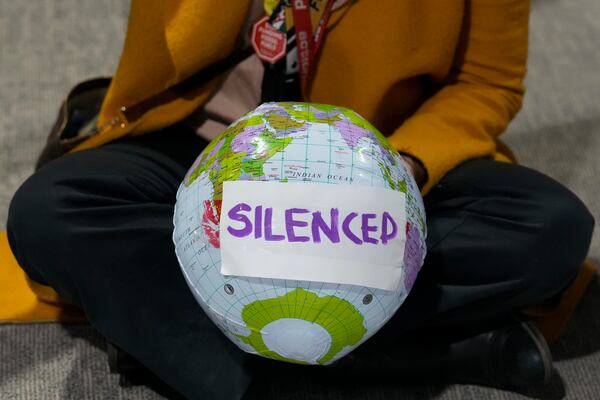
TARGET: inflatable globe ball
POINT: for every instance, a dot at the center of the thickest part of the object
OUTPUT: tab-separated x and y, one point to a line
296	321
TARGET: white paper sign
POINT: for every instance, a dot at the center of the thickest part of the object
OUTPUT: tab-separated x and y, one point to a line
314	232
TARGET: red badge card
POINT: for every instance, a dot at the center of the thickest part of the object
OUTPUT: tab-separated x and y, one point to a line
268	42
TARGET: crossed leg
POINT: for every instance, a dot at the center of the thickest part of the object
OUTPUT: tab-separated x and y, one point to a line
97	226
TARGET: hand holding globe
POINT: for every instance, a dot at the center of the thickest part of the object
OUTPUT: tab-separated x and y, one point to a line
296	170
415	168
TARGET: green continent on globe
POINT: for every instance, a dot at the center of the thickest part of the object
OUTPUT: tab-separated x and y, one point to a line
338	317
323	113
335	113
224	162
398	185
265	147
241	150
281	122
309	112
216	152
401	186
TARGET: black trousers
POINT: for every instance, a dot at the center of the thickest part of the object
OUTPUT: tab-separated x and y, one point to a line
96	225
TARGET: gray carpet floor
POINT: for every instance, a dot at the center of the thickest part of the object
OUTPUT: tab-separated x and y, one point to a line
48	45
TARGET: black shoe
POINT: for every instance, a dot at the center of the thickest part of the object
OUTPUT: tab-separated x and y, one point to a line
515	357
518	357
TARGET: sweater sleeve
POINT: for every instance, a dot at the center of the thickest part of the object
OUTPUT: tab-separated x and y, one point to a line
482	93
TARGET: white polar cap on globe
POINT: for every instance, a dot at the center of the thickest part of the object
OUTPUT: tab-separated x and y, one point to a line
297	339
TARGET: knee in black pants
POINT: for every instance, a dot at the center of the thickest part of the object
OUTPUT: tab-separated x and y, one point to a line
554	253
564	243
36	234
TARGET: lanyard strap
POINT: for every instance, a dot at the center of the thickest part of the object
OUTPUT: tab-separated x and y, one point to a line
308	45
323	21
304	40
294	20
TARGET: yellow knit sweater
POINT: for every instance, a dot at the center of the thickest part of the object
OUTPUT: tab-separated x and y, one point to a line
440	78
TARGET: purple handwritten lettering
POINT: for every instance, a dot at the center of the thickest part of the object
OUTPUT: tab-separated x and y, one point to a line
269	236
331	231
346	228
258	222
386	235
290	223
366	228
263	225
235	215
